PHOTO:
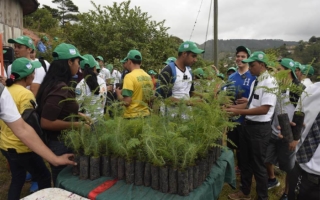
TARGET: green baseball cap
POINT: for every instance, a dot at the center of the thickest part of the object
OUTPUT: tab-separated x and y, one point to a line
151	72
232	68
257	56
243	48
288	64
221	75
132	55
109	67
24	40
66	51
100	58
190	46
308	70
298	65
97	65
89	60
24	67
169	60
198	72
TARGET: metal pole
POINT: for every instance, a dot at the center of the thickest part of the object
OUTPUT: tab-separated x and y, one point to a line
215	32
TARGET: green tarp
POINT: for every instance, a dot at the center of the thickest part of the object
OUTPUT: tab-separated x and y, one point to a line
222	172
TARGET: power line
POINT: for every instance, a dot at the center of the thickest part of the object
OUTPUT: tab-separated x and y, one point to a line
195	21
205	41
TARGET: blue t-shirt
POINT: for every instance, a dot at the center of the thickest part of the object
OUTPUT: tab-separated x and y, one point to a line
241	85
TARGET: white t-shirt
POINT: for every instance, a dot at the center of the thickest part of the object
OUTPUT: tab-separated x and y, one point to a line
307	82
116	75
93	104
104	74
181	87
8	109
311	108
262	97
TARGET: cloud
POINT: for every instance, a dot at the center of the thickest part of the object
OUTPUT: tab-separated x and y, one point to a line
292	20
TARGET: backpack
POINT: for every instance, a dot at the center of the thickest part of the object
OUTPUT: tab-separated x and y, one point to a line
172	65
31	117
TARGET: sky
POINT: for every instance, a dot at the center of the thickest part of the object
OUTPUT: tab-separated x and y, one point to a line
289	20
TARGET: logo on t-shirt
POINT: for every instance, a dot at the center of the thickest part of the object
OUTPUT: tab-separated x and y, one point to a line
246	82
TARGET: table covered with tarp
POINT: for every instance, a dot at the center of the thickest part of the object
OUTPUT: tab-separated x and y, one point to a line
108	188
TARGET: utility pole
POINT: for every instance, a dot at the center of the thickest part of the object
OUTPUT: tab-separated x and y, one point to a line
215	32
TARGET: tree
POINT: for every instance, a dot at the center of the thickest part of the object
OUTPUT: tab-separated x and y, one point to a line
313	39
41	20
66	8
111	31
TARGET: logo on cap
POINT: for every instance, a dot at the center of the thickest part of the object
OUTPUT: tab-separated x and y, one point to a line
291	64
260	56
186	46
29	66
72	51
30	42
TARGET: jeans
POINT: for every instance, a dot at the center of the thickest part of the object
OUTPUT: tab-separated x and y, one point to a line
20	163
254	140
59	149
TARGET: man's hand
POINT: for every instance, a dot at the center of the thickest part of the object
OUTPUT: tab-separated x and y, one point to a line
242	100
65	159
293	144
231	111
3	80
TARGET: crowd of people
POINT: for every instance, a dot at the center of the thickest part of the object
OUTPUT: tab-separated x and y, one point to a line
256	140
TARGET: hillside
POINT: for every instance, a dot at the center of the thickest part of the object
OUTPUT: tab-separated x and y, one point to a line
229	46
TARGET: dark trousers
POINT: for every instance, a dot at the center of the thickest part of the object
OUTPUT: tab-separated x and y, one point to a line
254	140
307	185
59	149
234	136
20	163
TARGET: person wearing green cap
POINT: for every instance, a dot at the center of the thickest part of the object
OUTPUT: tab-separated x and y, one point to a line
306	73
104	73
176	79
280	150
299	68
22	159
170	59
153	78
239	84
91	91
254	139
56	102
231	70
23	46
137	89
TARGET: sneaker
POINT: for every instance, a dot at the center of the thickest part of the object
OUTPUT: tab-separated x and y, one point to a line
239	196
273	183
28	177
34	187
284	197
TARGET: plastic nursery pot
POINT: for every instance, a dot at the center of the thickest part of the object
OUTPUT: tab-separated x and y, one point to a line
164	179
114	167
202	172
196	182
173	181
211	158
147	175
121	169
84	167
190	178
76	168
94	168
155	177
105	166
183	183
138	172
298	119
286	130
129	166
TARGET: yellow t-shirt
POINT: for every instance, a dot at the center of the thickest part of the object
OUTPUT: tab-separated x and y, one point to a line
21	97
137	85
